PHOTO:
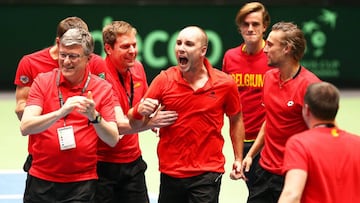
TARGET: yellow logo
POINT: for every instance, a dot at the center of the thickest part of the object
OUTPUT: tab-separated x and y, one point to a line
136	85
334	132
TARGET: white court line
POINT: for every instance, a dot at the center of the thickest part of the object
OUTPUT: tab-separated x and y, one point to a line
17	171
13	196
153	197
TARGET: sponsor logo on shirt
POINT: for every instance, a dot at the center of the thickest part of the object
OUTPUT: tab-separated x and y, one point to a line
24	79
138	84
334	132
212	94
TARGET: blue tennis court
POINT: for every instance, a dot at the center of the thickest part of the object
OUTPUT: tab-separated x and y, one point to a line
12	184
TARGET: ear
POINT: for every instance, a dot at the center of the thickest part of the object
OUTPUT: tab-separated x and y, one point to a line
57	41
203	50
287	49
108	49
264	29
306	114
306	111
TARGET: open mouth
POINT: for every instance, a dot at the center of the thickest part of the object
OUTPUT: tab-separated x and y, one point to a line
183	60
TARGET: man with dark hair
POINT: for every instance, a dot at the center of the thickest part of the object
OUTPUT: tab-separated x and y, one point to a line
321	164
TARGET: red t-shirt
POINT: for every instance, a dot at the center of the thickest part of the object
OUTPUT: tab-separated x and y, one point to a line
331	158
283	105
127	149
193	144
49	162
248	72
41	62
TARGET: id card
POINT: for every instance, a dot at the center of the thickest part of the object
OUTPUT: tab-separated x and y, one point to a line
66	137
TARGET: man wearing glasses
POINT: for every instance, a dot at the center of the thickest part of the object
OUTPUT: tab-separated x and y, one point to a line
67	110
43	61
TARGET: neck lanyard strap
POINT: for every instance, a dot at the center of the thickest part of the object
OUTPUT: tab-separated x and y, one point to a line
60	95
131	96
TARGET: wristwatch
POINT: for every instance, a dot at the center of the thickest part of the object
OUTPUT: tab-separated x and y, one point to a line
96	120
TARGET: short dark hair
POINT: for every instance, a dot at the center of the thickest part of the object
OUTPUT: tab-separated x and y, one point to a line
323	100
68	23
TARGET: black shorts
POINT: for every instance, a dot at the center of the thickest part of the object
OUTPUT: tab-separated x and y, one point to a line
250	175
267	186
197	189
40	191
122	182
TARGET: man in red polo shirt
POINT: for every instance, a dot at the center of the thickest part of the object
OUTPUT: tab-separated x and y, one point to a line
190	155
67	110
46	60
321	164
283	98
121	169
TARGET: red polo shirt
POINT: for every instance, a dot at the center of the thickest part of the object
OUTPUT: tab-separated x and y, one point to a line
193	144
128	148
49	162
331	158
283	104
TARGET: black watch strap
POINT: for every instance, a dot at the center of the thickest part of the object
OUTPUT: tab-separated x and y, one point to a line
96	120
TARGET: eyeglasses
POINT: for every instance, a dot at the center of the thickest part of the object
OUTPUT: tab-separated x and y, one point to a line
72	57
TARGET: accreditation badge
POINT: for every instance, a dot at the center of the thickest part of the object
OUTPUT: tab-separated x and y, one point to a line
66	137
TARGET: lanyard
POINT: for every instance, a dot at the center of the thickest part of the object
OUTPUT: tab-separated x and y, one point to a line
131	95
60	95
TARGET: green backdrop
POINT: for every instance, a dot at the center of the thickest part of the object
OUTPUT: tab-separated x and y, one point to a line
331	33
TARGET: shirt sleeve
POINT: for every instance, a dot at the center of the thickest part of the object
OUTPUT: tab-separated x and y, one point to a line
232	100
97	66
23	75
